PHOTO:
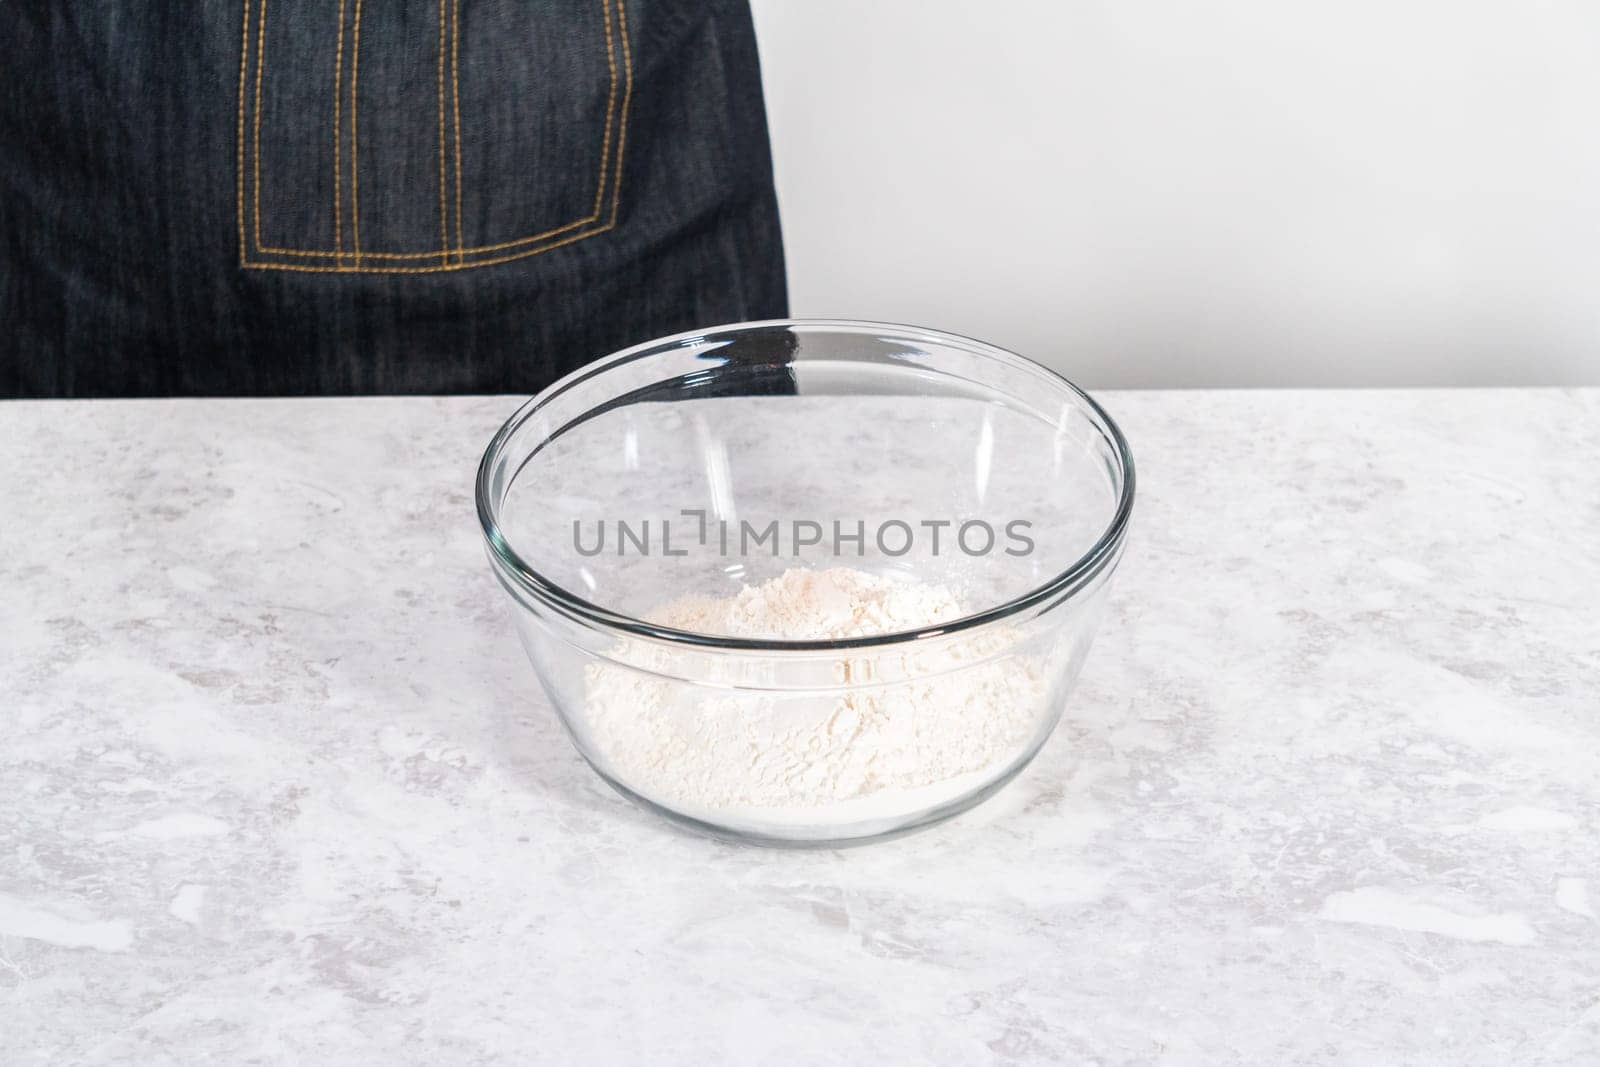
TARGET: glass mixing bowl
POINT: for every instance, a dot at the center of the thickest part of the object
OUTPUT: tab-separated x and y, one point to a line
698	465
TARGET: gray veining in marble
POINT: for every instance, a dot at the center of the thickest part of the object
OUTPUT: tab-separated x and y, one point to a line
279	785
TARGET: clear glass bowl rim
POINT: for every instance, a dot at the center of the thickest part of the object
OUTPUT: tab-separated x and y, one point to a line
1097	558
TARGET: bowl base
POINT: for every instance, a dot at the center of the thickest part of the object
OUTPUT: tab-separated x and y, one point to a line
921	820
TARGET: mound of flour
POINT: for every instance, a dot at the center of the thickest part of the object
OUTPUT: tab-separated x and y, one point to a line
869	752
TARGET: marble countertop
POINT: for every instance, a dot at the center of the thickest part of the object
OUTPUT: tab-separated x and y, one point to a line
280	787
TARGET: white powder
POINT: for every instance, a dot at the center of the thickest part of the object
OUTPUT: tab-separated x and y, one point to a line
833	756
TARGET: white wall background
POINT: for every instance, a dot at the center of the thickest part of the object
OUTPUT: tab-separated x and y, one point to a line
1169	193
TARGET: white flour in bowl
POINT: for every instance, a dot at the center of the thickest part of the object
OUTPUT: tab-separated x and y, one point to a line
833	756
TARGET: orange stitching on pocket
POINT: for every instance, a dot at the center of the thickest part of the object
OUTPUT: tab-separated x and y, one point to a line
238	198
611	104
607	164
337	252
355	172
338	135
261	51
429	270
455	95
444	212
599	192
627	98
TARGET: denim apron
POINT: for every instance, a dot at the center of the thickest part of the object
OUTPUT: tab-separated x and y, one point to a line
357	196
